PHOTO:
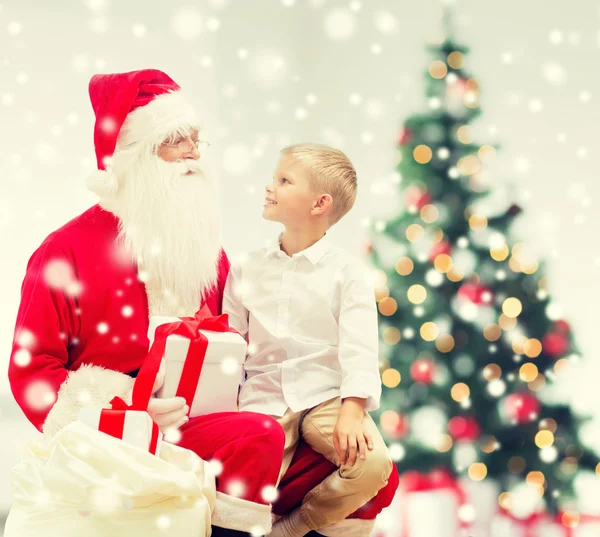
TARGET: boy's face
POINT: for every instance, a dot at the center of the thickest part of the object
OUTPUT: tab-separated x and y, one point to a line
289	198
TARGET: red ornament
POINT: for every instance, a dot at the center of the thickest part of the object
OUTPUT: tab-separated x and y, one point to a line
458	88
422	371
367	247
555	345
475	293
464	429
405	136
521	407
442	247
562	327
414	196
402	427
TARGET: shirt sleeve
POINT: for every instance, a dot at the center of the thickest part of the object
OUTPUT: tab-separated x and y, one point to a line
45	326
233	303
233	306
359	337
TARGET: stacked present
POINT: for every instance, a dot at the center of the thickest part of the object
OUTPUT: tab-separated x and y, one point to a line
204	362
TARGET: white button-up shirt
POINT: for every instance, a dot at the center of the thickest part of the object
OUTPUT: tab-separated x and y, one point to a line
311	323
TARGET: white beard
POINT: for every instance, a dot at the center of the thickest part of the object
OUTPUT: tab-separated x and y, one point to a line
170	226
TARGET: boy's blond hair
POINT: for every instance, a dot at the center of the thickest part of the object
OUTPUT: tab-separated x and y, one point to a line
330	171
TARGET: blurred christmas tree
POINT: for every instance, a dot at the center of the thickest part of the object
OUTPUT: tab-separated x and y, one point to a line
470	334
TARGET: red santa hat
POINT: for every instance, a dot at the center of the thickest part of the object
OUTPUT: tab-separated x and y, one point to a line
139	106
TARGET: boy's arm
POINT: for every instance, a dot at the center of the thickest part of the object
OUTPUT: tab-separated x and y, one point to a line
234	307
359	339
232	301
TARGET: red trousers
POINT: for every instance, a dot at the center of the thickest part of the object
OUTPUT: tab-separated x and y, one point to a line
249	447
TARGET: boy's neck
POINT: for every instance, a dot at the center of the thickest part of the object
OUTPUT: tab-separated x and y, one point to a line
293	242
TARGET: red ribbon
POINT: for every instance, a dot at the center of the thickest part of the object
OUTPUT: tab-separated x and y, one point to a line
529	524
188	327
112	421
438	479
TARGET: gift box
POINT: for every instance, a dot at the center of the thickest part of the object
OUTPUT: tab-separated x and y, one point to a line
570	525
203	361
430	505
132	426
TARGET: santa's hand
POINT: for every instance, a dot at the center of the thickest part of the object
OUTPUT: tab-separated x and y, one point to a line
160	377
168	413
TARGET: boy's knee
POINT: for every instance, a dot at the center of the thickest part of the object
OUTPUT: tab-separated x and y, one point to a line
377	469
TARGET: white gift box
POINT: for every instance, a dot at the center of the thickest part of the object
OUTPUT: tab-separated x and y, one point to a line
217	389
430	514
137	426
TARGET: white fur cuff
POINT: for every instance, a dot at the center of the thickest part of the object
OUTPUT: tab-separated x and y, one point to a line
241	515
89	386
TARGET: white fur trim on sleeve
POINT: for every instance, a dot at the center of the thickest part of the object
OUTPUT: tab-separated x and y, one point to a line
241	515
88	386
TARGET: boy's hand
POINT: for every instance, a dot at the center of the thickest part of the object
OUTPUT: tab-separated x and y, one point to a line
349	434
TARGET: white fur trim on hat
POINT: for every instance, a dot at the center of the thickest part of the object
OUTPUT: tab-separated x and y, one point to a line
153	122
103	183
88	386
241	515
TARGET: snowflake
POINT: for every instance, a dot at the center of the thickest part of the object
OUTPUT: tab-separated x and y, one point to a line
556	37
237	159
340	24
58	274
213	24
230	366
39	395
270	494
45	152
99	25
301	113
236	488
397	452
25	338
536	105
80	63
554	73
385	22
96	5
267	67
15	28
139	30
187	23
215	467
163	522
22	358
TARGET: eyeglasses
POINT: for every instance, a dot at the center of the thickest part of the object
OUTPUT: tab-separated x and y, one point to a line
187	146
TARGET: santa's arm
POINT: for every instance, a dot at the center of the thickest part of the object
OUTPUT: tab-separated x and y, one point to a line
47	323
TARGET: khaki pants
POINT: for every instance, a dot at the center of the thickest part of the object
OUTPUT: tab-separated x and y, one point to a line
349	487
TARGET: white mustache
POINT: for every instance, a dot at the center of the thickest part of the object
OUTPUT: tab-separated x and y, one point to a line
182	167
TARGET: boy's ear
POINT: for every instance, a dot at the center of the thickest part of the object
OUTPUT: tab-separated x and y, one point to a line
322	204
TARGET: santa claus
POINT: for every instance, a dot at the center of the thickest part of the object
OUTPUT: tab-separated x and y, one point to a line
151	246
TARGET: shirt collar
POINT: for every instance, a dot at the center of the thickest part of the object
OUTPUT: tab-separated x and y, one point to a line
313	253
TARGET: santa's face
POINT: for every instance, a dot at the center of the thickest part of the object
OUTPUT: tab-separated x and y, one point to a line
169	222
180	146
